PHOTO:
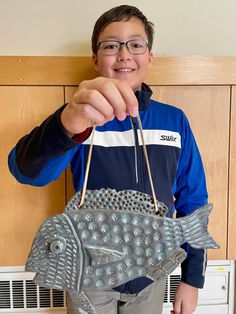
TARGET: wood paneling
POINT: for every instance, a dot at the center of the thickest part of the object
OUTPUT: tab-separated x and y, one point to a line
45	70
208	110
22	208
69	92
232	182
72	70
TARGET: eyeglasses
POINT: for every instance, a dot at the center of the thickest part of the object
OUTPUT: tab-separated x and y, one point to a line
134	46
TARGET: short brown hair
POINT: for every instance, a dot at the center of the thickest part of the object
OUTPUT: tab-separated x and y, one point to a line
121	13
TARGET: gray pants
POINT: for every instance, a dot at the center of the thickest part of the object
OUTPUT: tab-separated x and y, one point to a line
148	301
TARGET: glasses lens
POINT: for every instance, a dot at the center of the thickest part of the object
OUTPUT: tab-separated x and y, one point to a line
109	47
137	46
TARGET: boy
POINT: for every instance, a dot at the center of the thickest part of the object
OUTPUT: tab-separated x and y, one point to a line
122	43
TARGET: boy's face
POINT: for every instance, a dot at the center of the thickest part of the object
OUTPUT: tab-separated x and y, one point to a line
124	65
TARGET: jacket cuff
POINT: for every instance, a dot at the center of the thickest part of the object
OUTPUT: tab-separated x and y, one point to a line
81	137
194	266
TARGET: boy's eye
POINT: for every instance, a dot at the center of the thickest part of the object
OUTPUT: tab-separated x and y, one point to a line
136	45
110	46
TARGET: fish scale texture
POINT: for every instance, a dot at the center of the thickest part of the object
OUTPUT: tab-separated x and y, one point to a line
122	245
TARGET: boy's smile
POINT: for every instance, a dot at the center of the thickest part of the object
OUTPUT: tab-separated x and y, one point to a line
124	65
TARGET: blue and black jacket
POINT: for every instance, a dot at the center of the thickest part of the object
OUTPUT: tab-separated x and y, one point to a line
118	163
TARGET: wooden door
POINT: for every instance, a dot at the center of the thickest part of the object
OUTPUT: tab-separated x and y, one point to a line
232	182
23	208
208	110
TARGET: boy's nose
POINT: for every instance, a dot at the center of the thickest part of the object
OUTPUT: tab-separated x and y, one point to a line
123	53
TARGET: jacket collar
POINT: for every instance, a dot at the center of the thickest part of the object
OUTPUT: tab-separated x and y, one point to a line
143	96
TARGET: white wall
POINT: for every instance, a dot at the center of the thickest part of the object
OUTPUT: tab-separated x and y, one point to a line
63	27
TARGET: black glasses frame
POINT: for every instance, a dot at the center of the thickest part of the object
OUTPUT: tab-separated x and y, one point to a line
145	41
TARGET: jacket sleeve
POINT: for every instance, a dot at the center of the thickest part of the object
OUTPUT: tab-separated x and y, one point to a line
191	193
42	155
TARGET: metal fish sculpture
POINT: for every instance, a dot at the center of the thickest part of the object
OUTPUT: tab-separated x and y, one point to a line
114	238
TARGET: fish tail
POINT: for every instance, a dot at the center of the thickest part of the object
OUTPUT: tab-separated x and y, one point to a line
195	229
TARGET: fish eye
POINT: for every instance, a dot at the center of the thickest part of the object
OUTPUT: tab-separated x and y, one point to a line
57	246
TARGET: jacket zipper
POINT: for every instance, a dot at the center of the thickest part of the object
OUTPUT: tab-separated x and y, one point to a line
133	120
135	132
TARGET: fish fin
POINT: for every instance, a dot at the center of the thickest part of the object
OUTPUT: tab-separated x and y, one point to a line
81	303
195	229
100	256
167	266
110	199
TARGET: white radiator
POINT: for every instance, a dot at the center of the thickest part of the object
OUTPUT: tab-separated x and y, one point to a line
217	297
18	293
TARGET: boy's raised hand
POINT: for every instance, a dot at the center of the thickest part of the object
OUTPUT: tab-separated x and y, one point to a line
98	101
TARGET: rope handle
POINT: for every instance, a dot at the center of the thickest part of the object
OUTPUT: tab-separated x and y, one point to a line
146	160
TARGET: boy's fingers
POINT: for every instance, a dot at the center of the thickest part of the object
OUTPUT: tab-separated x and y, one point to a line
129	98
99	100
118	94
112	93
94	116
96	100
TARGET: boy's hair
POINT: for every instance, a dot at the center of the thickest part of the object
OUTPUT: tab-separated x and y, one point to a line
117	14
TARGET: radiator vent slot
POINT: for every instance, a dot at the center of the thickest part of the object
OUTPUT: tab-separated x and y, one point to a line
5	296
58	298
31	294
166	293
18	294
174	282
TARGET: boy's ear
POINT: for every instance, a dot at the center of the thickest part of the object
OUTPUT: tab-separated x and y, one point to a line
150	57
95	61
